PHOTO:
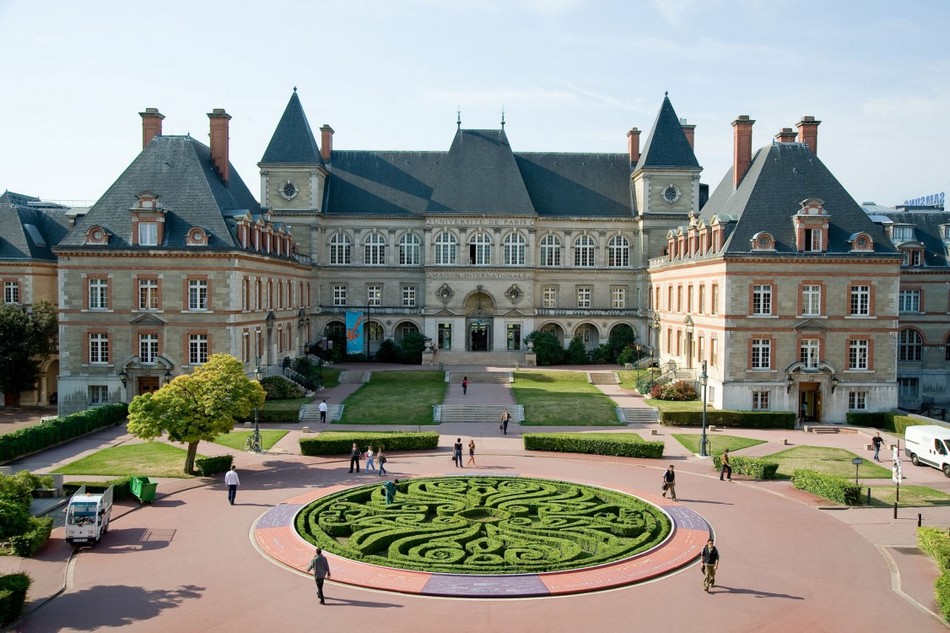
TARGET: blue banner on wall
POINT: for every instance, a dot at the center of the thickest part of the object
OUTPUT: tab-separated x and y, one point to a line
354	331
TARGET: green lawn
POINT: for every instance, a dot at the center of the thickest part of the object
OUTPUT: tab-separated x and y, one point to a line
236	439
717	443
151	459
396	397
830	461
911	496
677	405
562	398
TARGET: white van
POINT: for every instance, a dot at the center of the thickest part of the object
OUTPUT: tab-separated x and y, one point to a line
928	444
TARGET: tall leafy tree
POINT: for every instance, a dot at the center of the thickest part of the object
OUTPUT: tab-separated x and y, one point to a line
27	338
197	406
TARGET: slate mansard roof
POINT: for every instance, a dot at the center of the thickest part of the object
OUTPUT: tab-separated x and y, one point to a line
178	169
29	227
930	229
293	142
779	178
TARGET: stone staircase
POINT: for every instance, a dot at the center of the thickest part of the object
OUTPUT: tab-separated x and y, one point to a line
355	377
446	413
638	415
310	413
602	378
491	377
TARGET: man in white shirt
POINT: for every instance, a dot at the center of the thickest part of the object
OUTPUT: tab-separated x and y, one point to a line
232	481
323	412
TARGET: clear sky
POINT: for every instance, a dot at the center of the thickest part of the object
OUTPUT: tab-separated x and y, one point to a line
571	75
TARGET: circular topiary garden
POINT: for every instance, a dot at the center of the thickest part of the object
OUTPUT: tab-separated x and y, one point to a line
483	525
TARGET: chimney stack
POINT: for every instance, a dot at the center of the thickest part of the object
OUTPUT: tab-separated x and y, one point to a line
808	133
151	125
786	135
326	142
741	148
633	145
219	142
689	131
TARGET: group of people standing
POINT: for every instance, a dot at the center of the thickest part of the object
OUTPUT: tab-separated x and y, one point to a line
372	459
457	452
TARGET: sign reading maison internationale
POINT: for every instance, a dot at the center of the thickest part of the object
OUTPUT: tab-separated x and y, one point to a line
933	200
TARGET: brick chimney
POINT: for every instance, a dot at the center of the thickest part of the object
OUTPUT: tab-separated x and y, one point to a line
326	142
689	131
786	135
741	148
219	142
808	133
633	145
151	125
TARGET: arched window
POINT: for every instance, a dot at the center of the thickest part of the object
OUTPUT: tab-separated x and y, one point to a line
374	250
409	250
909	346
514	250
446	249
550	251
584	251
340	249
479	249
618	252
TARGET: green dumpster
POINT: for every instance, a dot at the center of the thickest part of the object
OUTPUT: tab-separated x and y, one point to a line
143	488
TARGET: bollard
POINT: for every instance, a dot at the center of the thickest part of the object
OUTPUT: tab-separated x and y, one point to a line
895	509
919	518
786	442
869	496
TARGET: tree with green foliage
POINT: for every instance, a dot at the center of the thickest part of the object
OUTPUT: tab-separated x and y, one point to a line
411	347
27	338
547	347
621	338
576	352
197	406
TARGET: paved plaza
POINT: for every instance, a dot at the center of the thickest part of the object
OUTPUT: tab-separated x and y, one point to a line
191	562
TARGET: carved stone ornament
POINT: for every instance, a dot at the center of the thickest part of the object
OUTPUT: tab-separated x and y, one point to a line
445	293
514	293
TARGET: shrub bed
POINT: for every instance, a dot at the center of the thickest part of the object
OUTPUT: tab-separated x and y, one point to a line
13	588
619	444
208	466
751	466
30	541
679	390
886	421
120	492
32	439
278	416
279	388
936	543
483	525
339	443
827	486
731	419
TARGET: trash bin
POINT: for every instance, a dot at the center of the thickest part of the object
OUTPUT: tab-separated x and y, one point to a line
143	488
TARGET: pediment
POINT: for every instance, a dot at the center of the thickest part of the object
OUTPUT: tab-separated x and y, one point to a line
445	313
147	319
514	313
810	324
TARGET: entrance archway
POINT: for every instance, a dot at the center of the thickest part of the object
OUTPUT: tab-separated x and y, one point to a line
479	309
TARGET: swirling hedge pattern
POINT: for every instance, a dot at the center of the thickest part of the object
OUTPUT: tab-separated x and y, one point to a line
483	525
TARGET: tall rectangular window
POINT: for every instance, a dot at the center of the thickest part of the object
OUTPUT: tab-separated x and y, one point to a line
339	295
98	294
618	297
859	354
760	400
702	299
761	299
374	295
148	294
11	292
98	394
858	400
148	233
714	351
148	348
549	297
197	349
98	348
198	294
409	296
714	300
584	297
860	300
909	301
811	300
809	352
761	353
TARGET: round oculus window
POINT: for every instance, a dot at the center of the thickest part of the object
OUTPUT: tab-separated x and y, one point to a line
671	194
289	190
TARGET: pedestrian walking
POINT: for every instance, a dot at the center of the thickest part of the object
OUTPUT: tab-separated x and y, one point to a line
878	442
726	466
471	452
669	483
323	412
232	481
321	571
505	419
457	453
370	460
381	460
464	385
389	489
710	564
355	458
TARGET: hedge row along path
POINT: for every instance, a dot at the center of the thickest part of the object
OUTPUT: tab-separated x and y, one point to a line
276	536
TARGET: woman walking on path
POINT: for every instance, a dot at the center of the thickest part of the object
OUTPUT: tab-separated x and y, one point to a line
370	460
505	419
464	385
382	462
669	483
471	452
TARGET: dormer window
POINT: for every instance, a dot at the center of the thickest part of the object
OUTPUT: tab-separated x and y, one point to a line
913	256
811	226
97	235
861	242
901	233
148	233
148	220
196	237
763	241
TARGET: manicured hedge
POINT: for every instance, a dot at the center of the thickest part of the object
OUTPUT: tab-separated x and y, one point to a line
279	388
32	439
936	543
278	416
886	421
120	492
208	466
13	588
32	540
751	466
827	486
732	419
340	443
619	444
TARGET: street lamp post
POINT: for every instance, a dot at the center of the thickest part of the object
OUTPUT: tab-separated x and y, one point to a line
654	349
254	441
703	440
